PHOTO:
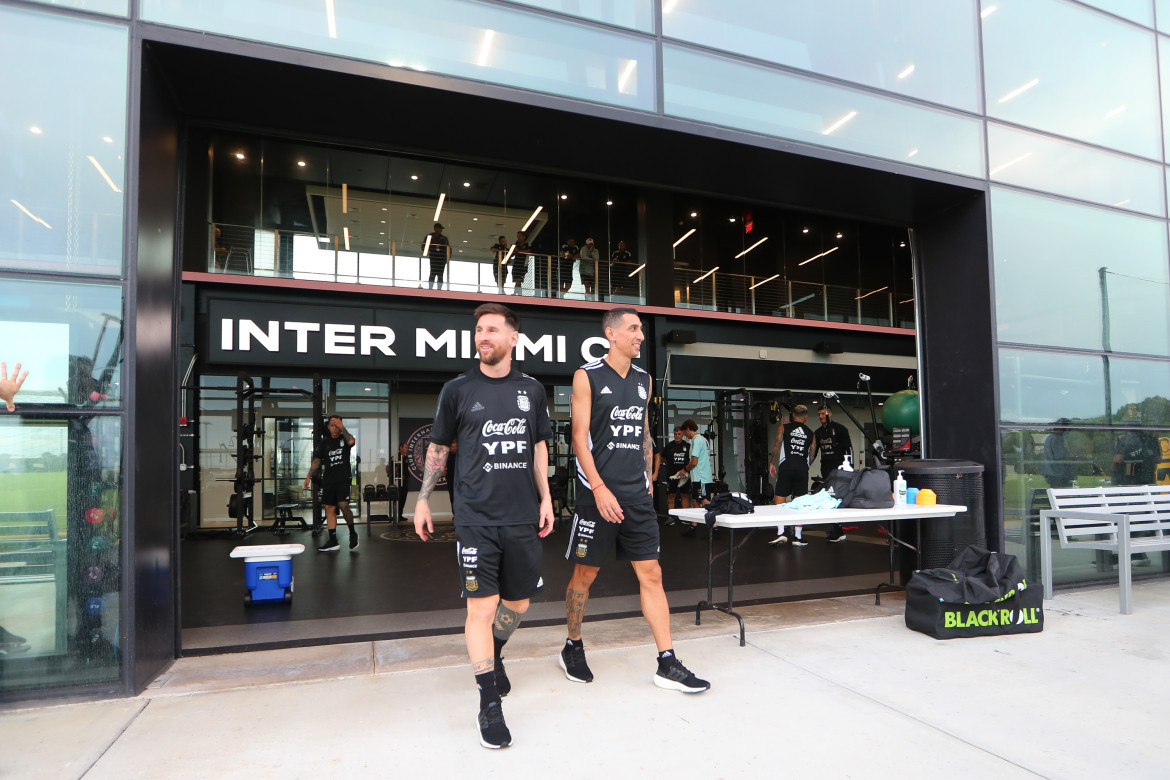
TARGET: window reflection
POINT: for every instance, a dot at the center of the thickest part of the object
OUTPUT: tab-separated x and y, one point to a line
480	41
69	339
635	14
920	48
62	173
1069	70
721	91
1070	275
60	534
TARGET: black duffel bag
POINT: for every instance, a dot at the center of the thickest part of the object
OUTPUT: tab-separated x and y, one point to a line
861	488
981	593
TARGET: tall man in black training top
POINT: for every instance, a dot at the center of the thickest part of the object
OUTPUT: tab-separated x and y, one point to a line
832	444
615	503
332	457
792	452
502	506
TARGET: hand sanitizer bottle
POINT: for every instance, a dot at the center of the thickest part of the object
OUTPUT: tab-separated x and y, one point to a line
900	489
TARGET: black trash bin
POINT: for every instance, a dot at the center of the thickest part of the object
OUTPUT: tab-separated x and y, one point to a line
954	482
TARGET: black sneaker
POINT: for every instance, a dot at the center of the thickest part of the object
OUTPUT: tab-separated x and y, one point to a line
675	677
799	543
493	732
353	540
330	545
573	662
837	538
503	684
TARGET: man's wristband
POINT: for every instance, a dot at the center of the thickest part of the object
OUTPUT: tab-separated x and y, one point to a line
598	485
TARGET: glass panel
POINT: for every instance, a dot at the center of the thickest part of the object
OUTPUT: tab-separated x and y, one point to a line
714	89
67	337
62	171
635	14
1162	7
118	7
1040	387
1139	390
60	534
920	48
1043	163
456	37
1063	68
1057	262
1164	70
1140	11
1061	456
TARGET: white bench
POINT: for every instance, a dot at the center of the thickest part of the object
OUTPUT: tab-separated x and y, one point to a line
1122	520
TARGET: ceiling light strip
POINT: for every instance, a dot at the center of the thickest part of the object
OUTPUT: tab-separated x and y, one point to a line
635	271
31	215
485	47
345	232
331	18
704	276
757	284
1019	91
684	237
878	290
426	246
531	219
750	248
838	124
344	198
822	254
439	208
102	171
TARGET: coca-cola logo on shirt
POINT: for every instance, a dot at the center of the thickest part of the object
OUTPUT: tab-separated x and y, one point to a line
629	413
517	426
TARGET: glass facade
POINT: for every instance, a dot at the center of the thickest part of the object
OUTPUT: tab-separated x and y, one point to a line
1059	109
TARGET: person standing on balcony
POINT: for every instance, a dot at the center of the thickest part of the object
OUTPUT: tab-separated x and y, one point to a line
570	254
520	256
621	266
588	266
499	252
439	253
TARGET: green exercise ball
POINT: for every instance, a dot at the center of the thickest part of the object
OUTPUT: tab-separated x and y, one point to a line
901	411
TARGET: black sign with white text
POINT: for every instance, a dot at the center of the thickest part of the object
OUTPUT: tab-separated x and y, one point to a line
269	333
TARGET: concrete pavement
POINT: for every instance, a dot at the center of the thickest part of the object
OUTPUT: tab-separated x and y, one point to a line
828	688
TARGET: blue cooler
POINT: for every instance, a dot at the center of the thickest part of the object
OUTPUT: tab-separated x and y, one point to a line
268	571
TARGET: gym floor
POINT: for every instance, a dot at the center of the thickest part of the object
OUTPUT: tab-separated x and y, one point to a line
391	587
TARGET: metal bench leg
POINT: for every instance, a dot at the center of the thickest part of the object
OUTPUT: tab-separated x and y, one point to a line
1046	554
1125	566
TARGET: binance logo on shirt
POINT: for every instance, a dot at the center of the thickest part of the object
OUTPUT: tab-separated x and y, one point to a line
487	467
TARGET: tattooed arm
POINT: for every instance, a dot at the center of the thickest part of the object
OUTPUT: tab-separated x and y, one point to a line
312	470
436	462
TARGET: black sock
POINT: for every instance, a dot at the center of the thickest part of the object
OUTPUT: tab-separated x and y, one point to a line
486	683
575	642
666	657
499	646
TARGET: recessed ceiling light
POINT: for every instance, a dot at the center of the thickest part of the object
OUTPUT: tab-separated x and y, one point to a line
694	213
564	197
804	231
465	240
383	221
367	389
107	139
414	178
300	163
239	155
36	130
902	244
466	184
609	203
468	230
838	235
731	219
383	208
475	219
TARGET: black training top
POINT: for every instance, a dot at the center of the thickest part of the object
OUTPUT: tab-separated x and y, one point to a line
439	244
833	444
795	446
497	423
676	455
616	435
334	456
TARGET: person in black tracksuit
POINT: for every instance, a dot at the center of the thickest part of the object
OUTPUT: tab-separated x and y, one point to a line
332	457
832	444
794	449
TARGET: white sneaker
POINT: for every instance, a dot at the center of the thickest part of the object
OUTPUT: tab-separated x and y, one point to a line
779	540
799	543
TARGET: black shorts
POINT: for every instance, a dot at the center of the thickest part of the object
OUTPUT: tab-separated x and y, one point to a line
791	482
499	560
677	487
592	537
334	493
701	490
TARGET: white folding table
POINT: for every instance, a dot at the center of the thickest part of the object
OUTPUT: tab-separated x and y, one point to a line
771	515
